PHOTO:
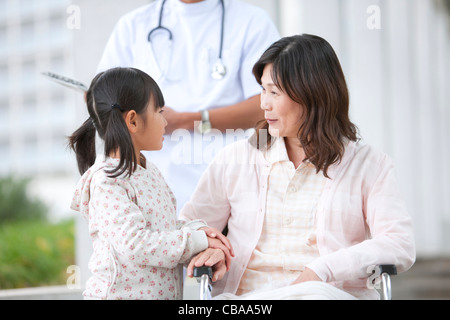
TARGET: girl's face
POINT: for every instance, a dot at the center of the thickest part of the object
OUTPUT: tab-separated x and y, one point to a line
150	131
283	115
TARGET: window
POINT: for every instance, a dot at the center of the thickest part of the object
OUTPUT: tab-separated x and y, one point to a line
5	155
29	72
4	113
29	110
4	78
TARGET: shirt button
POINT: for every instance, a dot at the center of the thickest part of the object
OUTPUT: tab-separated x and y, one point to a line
292	189
287	221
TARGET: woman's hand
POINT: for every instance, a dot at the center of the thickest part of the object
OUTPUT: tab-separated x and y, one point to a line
307	275
214	258
217	240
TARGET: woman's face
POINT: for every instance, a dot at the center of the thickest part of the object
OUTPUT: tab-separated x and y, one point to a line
283	115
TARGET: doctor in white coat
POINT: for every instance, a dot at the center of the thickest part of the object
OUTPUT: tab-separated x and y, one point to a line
201	53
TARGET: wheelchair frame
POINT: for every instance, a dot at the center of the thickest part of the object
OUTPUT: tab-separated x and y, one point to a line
203	276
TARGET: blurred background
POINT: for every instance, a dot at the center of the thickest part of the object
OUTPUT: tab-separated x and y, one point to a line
396	57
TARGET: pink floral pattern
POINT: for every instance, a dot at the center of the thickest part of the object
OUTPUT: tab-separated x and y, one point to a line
138	244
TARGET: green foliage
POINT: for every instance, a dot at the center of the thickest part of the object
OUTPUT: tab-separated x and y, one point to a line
35	253
15	203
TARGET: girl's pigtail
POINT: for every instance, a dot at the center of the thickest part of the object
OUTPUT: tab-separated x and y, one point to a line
117	137
82	142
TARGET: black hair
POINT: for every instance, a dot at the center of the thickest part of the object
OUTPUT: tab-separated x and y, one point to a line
110	94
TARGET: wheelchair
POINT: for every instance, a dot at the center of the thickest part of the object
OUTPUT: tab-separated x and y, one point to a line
200	285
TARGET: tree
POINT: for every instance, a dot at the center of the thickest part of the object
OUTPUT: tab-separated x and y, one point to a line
15	202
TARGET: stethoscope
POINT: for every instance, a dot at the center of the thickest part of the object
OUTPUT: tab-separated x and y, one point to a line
219	70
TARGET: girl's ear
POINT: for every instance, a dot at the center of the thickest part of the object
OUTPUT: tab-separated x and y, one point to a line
131	121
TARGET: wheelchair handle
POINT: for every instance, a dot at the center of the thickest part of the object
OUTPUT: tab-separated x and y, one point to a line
390	269
387	270
199	271
204	276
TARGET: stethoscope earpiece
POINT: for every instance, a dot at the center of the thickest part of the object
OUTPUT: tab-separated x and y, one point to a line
219	71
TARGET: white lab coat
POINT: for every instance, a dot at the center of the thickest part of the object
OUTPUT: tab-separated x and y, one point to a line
183	67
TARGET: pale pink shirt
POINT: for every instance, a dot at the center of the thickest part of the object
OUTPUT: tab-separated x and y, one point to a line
138	244
361	219
288	238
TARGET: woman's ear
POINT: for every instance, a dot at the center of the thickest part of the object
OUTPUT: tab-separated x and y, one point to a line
131	120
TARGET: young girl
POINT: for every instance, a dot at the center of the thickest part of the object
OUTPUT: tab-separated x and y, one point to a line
138	245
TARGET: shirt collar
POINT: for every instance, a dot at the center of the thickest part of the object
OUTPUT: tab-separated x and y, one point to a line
193	8
277	151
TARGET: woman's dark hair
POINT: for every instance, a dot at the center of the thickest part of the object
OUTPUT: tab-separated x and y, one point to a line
112	93
306	68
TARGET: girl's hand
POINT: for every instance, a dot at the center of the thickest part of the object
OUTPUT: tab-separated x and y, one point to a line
214	233
217	240
214	258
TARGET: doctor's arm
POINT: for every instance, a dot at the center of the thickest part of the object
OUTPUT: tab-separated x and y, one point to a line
242	115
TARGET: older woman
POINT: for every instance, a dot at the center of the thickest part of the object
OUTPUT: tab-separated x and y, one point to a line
304	200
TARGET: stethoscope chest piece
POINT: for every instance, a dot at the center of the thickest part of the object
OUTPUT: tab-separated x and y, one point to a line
219	71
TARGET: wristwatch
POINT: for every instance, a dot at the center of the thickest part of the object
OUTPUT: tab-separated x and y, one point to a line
205	125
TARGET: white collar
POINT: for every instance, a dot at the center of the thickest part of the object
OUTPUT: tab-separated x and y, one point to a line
193	8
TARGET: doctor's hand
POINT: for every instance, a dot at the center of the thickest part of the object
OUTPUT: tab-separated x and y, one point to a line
180	120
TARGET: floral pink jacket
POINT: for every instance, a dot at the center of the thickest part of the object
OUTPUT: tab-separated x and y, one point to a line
361	218
138	245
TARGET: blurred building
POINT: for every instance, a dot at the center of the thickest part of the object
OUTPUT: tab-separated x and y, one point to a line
34	113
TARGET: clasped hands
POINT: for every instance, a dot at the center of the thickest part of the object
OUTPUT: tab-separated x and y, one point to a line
218	255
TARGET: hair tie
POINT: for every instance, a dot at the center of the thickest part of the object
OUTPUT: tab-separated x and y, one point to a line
92	122
116	106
